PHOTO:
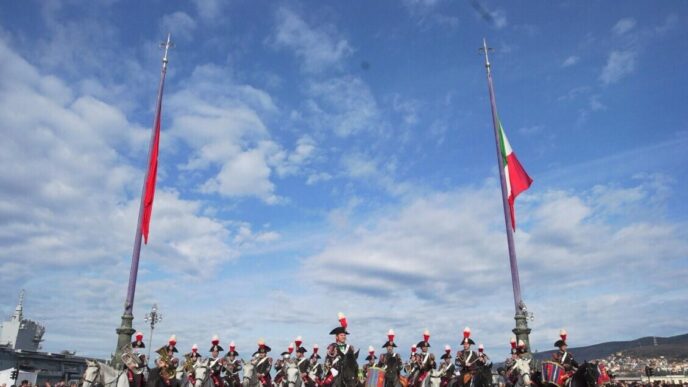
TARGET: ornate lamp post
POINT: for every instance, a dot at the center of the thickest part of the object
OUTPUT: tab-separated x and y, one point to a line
153	318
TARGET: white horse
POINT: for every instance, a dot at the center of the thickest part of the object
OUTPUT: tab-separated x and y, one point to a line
293	376
101	374
521	368
433	379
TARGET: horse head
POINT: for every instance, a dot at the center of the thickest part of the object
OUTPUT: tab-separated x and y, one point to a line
293	375
92	376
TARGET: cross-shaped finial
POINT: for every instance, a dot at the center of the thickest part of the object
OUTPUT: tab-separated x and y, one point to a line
485	49
166	45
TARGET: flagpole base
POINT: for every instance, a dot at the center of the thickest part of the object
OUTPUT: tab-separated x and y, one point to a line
124	333
522	331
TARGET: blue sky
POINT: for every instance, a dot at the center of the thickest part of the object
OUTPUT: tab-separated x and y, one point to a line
323	157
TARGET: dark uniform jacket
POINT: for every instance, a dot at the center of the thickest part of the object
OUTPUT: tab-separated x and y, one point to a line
467	362
566	359
392	364
263	367
342	358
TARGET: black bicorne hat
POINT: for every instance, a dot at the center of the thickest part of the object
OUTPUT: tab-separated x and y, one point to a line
338	330
468	340
302	350
371	357
389	343
138	344
423	344
232	353
446	356
216	347
559	343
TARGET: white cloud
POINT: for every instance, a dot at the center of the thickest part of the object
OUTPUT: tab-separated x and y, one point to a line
499	18
318	48
222	123
345	105
210	10
570	61
443	247
623	26
179	24
619	65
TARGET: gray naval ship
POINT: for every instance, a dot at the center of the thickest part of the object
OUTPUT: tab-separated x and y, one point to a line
20	348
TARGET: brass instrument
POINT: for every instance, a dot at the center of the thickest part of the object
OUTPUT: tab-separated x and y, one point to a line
189	362
167	369
131	359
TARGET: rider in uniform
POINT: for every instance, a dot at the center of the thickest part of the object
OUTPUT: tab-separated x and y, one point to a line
215	362
314	368
427	359
302	362
390	361
136	375
232	366
447	368
371	361
564	357
467	360
263	364
281	365
171	348
341	359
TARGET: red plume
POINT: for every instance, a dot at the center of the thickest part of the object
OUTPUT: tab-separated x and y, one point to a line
390	335
563	334
466	332
139	336
315	348
447	349
290	349
426	335
413	348
232	346
342	320
298	341
261	343
513	342
481	348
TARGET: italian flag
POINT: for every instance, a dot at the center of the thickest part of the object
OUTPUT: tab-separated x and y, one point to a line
517	180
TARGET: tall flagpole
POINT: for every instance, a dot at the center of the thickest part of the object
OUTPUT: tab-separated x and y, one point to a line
125	330
521	330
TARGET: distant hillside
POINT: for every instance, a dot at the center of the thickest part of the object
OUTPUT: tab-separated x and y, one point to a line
675	347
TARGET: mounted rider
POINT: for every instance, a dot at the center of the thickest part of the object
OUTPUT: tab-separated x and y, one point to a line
171	348
315	371
371	362
215	362
301	361
564	357
340	362
282	363
447	368
467	360
427	360
262	363
518	365
191	359
391	361
412	366
232	366
136	373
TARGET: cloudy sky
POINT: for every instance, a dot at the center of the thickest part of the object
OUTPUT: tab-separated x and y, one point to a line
319	157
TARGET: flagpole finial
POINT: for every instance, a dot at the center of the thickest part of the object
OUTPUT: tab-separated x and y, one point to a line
166	45
484	49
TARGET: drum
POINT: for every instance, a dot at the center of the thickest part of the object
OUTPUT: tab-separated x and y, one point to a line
375	377
553	373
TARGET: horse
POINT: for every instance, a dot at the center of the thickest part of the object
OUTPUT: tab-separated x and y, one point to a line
204	375
250	378
293	378
98	374
585	376
521	372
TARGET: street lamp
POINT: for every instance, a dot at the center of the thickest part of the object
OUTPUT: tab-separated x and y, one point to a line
153	318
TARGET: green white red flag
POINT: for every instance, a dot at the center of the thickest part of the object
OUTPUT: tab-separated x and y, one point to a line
517	180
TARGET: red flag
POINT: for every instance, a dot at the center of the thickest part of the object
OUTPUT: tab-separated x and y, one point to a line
150	179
